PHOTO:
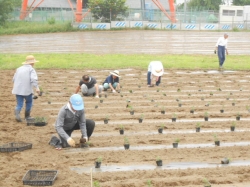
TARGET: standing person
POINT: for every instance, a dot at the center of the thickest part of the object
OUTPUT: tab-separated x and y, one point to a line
112	81
221	48
155	71
89	86
72	117
24	80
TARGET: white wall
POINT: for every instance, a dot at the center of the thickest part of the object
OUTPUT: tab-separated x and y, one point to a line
231	18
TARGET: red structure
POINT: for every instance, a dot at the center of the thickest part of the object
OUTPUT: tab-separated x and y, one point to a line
78	13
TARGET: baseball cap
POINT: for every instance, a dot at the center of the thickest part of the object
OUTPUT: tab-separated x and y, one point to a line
77	102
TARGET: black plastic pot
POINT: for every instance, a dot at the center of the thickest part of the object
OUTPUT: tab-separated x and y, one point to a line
175	145
126	146
191	111
232	128
106	121
49	102
225	161
162	112
238	118
132	112
98	164
173	119
159	162
101	101
140	120
207	185
198	129
41	93
217	143
206	118
221	111
179	105
233	104
121	131
96	106
160	130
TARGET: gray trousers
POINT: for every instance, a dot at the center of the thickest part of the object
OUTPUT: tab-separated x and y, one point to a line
90	91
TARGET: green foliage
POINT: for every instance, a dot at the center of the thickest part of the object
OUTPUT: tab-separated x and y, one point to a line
6	7
105	10
241	2
126	141
177	140
121	127
51	21
149	183
99	159
205	4
40	119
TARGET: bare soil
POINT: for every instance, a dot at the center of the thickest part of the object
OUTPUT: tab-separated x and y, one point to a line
58	86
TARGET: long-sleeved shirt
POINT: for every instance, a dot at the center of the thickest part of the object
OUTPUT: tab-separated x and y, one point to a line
221	42
66	120
24	80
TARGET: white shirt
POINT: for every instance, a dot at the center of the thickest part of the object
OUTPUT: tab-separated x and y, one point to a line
155	65
68	105
222	42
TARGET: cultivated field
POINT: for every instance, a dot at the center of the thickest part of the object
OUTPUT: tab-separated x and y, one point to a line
196	158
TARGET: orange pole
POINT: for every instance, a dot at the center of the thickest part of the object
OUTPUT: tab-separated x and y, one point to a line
172	10
159	5
23	10
85	14
79	11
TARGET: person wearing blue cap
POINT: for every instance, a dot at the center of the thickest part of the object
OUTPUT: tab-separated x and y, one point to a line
72	117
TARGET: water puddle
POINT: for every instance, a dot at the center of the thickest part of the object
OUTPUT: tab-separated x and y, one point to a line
169	166
154	147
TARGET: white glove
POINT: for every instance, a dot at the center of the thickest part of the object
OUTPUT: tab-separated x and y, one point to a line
71	142
97	96
86	138
114	91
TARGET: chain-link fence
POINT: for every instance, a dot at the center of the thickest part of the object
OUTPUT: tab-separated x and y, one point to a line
151	15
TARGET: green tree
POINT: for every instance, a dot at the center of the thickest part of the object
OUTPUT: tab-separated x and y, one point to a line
241	2
107	9
6	7
205	4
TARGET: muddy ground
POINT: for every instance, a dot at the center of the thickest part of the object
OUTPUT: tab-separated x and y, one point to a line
227	88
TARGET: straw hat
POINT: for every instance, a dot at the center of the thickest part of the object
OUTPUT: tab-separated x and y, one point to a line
157	70
30	59
115	73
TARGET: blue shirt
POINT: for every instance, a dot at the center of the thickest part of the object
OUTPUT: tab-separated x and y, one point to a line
110	79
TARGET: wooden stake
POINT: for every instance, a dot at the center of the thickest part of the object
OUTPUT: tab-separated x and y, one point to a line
91	180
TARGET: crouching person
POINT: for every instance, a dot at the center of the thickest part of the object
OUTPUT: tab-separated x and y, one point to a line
72	117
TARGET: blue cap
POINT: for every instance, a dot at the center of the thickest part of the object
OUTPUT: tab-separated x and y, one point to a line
76	102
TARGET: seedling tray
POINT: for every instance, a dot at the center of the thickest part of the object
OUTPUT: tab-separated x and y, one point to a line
40	177
12	147
34	123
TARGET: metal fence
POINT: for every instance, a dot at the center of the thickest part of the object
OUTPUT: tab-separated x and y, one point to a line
195	18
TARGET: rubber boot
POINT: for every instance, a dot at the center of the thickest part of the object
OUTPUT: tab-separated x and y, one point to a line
17	115
27	116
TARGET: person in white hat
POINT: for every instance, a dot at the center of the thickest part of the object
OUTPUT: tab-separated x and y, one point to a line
221	48
89	86
72	117
112	81
25	79
155	71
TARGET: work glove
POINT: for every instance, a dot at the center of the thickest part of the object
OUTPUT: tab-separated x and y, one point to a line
71	142
84	139
114	91
97	96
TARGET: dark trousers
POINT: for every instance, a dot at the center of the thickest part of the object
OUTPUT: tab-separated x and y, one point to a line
221	54
90	126
149	79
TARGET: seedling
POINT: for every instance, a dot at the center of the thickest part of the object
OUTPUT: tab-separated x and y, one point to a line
163	110
211	93
96	184
206	182
149	183
142	116
164	94
206	115
162	126
174	116
178	90
121	127
219	89
158	159
40	119
198	125
130	91
216	138
126	141
99	159
177	140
